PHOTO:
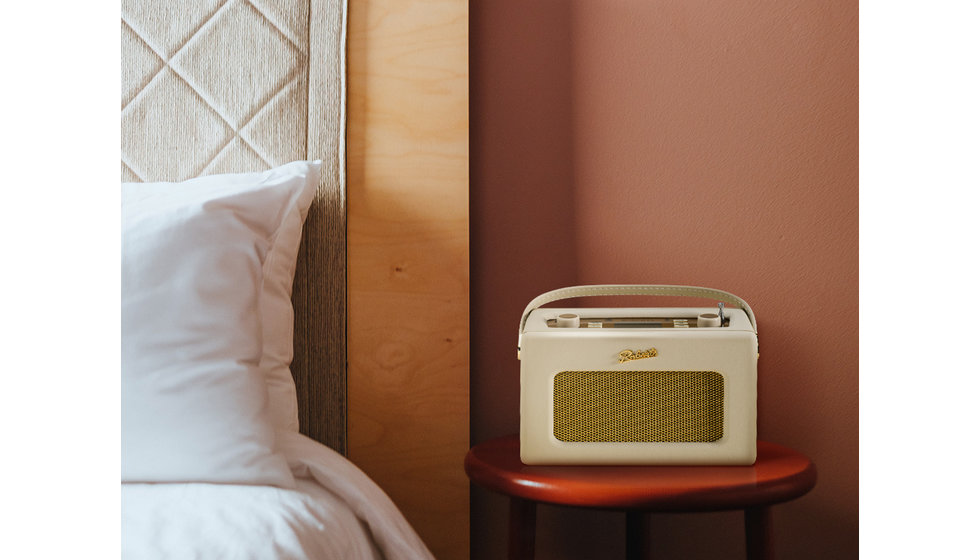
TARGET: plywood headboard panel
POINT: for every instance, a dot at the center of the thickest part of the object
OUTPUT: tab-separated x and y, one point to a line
214	86
408	169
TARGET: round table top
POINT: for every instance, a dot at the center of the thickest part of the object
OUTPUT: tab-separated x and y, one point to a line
778	475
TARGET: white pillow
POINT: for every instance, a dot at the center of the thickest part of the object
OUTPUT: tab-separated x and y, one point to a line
193	393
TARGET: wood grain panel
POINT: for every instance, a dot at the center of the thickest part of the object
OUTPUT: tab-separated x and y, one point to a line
408	290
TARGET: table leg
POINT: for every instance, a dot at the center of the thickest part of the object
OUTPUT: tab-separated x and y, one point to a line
758	534
522	523
637	536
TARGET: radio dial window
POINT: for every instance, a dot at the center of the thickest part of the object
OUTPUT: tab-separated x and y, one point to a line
633	323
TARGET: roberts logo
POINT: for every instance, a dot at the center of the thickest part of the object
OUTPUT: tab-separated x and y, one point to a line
630	355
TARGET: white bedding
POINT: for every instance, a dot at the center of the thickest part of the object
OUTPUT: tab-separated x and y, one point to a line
335	512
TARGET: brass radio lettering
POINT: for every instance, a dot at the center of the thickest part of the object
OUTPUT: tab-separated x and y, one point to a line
630	355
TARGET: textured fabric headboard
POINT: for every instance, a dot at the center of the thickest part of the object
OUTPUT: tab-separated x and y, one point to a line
215	86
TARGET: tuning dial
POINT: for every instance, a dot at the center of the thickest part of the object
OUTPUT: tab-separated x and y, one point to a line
709	320
568	321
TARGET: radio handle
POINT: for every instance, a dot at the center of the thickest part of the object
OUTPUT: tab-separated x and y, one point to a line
632	290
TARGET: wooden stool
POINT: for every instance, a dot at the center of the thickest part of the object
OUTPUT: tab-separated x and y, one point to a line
778	475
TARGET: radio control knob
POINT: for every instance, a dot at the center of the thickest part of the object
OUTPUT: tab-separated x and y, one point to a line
568	321
709	320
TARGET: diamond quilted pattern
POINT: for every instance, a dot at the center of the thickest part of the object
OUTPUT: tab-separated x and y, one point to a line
292	19
180	143
212	86
167	25
236	157
276	138
237	62
142	65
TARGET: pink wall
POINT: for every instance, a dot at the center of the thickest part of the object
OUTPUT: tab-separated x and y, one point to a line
687	142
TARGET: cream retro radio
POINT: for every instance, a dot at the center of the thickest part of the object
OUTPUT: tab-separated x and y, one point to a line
638	386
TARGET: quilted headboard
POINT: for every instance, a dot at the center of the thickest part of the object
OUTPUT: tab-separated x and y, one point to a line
214	86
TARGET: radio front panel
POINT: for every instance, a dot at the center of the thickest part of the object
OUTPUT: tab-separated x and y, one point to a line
651	393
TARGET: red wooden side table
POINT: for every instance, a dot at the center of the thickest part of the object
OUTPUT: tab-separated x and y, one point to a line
778	475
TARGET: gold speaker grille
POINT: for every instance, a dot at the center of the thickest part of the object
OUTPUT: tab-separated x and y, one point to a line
639	406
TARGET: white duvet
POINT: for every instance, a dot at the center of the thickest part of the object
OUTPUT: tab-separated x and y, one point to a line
335	512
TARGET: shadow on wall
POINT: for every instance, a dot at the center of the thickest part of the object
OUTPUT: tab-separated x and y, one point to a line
522	208
522	212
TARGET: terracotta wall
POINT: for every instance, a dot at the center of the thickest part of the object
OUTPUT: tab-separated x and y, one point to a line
688	142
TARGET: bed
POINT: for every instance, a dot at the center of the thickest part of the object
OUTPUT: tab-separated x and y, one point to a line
233	142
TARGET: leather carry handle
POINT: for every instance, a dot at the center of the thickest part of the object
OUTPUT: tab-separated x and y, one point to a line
632	290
